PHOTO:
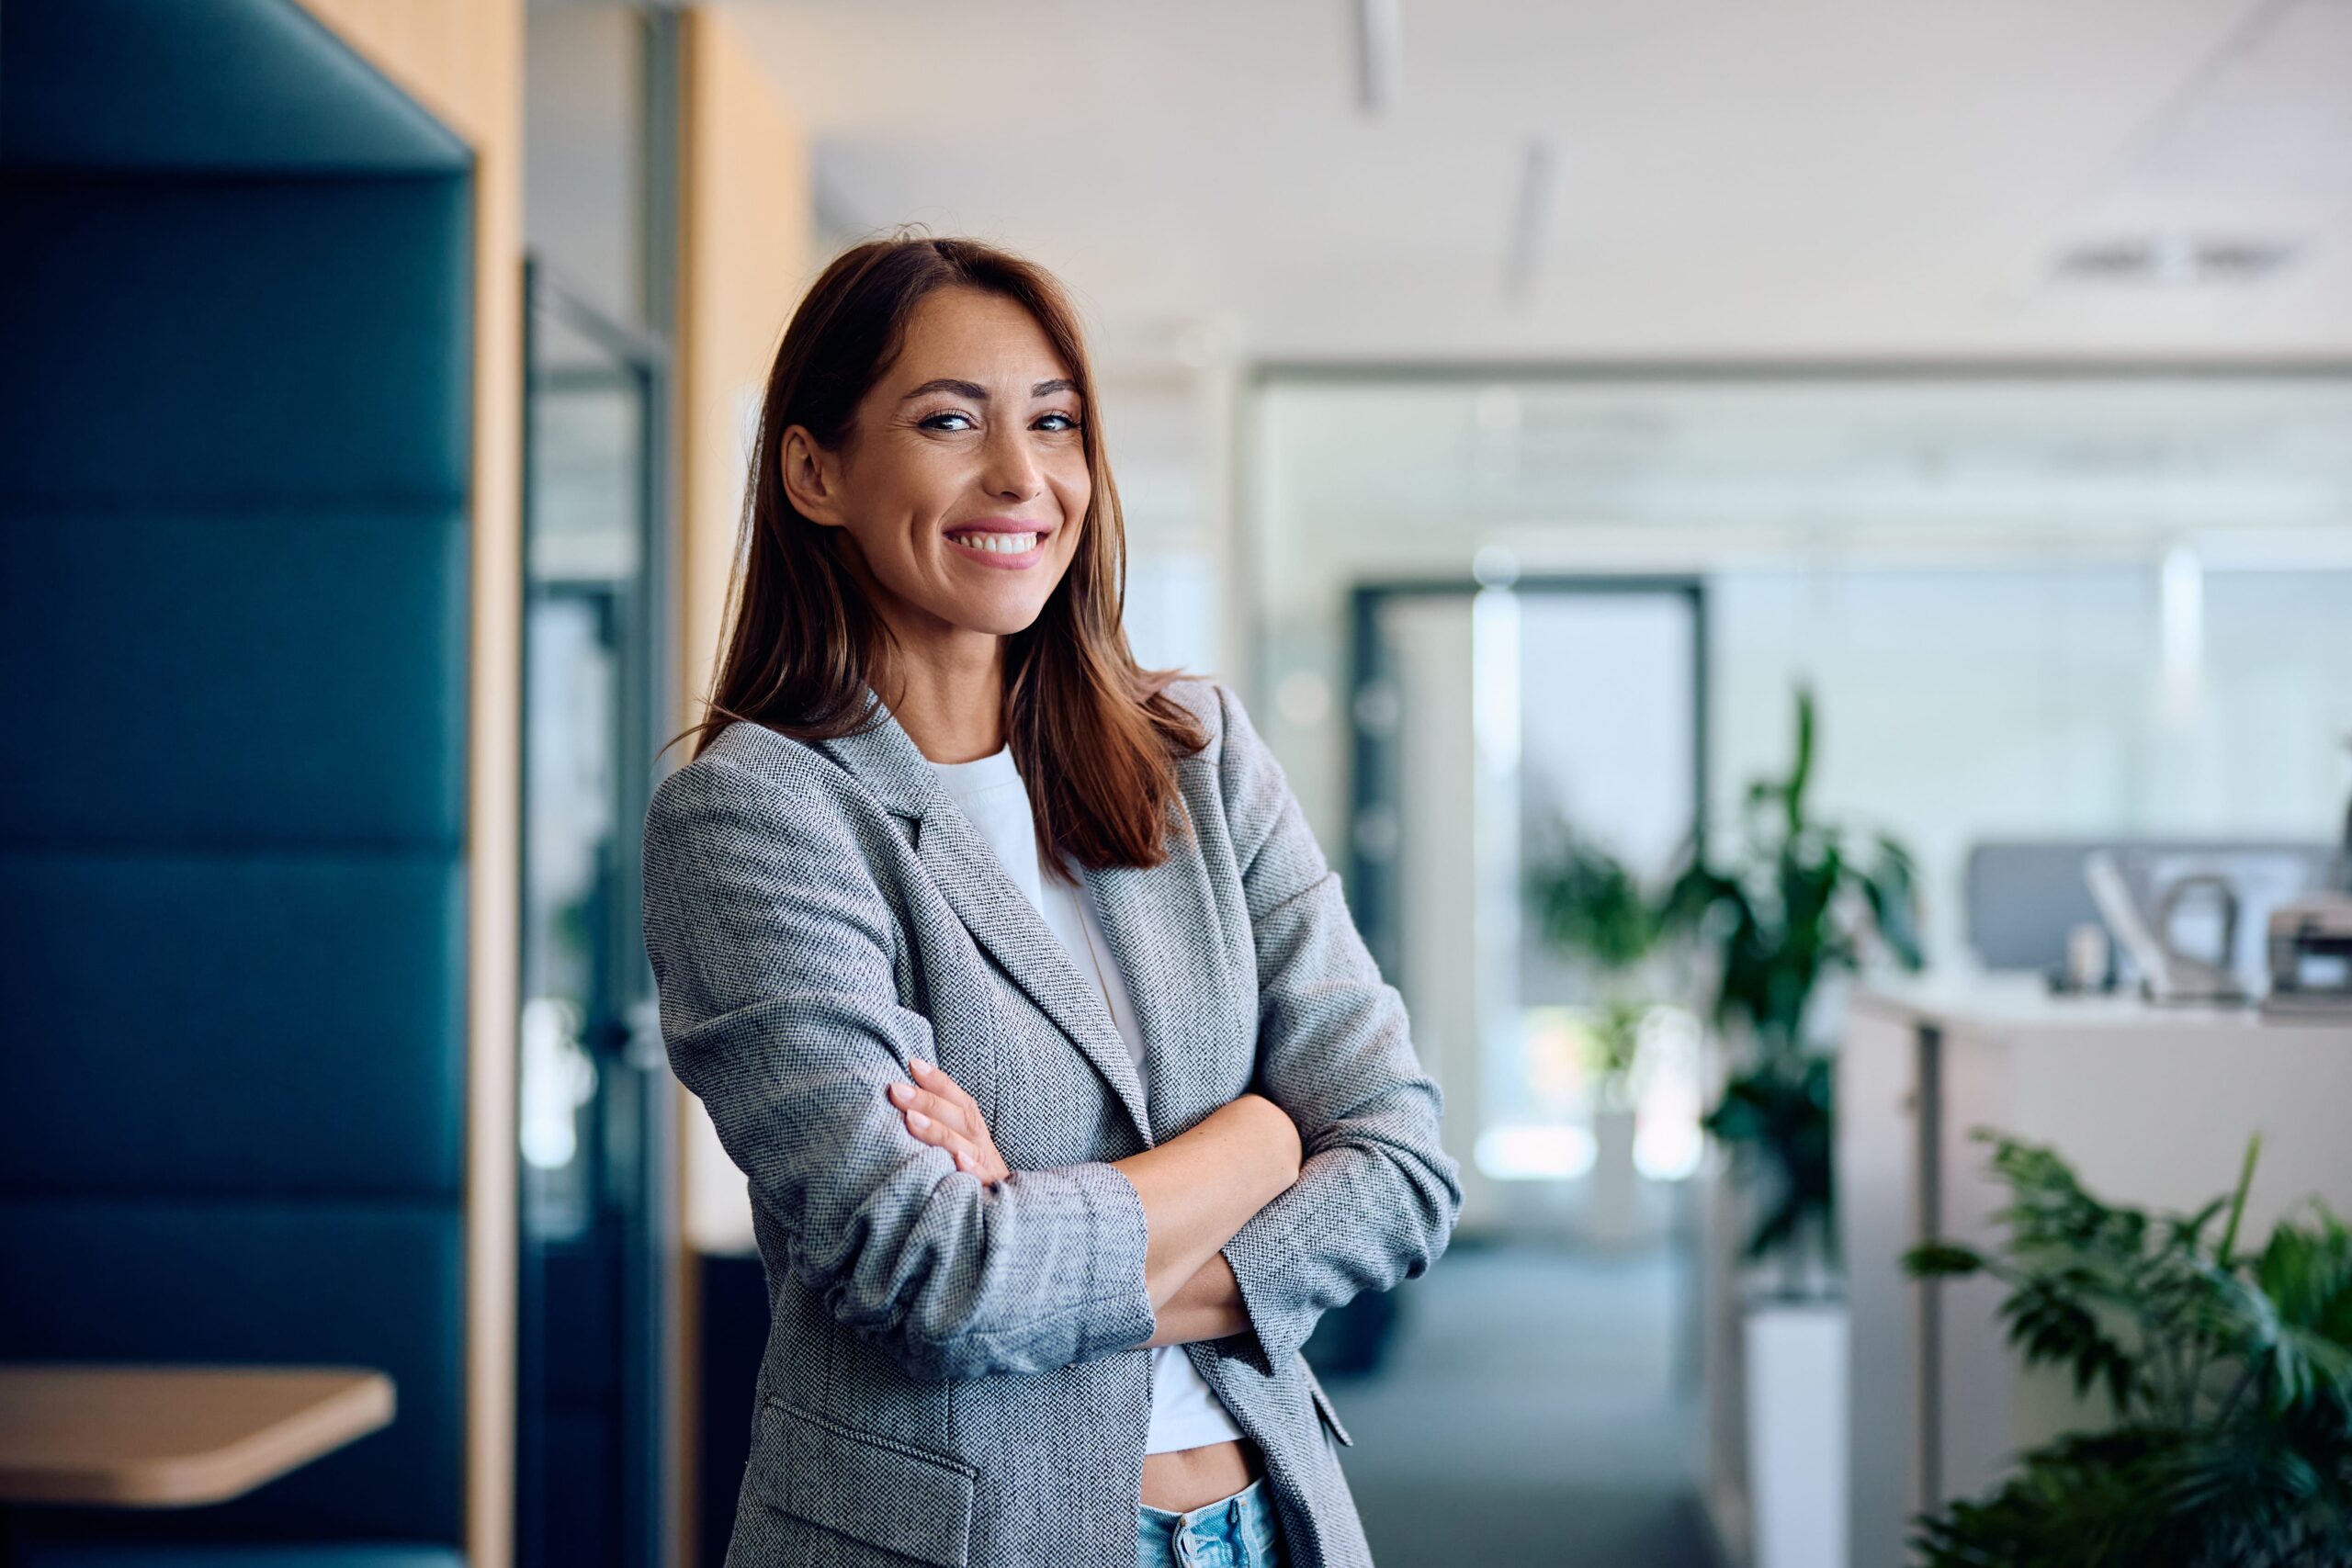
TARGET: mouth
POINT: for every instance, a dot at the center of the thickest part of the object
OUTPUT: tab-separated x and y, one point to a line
1006	542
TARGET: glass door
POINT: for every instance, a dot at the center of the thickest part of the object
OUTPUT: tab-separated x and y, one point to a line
596	1410
1494	724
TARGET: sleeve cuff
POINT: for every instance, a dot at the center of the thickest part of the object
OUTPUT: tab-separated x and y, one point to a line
1278	1328
1120	1315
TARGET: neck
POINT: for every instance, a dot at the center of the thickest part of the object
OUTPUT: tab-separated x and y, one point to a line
947	694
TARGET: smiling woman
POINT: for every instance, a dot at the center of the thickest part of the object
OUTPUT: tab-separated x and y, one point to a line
928	393
1011	976
986	468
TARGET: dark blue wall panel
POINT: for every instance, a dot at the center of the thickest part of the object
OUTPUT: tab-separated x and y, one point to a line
235	342
197	85
238	1024
283	677
234	461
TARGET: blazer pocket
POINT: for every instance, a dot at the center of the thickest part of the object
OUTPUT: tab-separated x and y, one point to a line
1323	1404
884	1491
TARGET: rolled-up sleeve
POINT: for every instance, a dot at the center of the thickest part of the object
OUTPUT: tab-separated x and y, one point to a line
1376	1197
772	952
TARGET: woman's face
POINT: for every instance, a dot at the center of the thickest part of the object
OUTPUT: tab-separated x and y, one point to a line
965	481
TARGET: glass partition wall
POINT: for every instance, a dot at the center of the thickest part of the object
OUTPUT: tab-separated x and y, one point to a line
595	1443
600	1437
2063	604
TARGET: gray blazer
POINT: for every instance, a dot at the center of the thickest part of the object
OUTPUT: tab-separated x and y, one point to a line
954	1373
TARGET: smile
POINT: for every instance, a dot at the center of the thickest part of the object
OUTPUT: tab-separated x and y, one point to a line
996	544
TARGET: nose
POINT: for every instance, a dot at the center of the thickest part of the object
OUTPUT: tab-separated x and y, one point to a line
1010	468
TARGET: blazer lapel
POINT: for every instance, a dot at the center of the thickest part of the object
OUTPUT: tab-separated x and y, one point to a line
992	906
1162	922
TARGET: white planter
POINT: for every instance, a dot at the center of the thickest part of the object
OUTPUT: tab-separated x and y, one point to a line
1612	1210
1796	1433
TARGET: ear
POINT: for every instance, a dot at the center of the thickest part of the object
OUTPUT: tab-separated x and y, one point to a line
812	478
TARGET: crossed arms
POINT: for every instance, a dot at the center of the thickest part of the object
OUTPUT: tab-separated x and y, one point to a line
1197	1190
779	1009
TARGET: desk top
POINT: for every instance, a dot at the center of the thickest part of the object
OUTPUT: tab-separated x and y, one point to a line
140	1436
2014	1003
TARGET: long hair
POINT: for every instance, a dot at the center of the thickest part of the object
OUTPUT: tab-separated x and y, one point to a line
1096	735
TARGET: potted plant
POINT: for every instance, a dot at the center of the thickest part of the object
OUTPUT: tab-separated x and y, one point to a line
1592	909
2228	1372
1613	1211
1800	900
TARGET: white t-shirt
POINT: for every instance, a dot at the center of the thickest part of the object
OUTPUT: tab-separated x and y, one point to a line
1185	1412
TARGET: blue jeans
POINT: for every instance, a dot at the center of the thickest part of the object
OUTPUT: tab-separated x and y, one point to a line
1232	1532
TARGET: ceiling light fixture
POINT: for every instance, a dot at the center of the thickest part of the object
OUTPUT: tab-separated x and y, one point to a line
1530	223
1378	29
2174	260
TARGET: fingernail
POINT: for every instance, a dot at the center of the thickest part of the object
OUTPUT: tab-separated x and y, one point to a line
965	1161
918	1120
919	1064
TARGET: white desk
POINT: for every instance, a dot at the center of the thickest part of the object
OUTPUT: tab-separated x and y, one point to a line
2151	1106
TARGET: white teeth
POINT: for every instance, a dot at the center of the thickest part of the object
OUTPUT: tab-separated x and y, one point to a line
998	543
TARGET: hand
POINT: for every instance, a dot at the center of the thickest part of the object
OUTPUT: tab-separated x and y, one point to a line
937	1111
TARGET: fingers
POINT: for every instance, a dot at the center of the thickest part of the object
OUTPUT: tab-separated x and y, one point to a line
977	1159
943	1114
935	1078
934	1108
967	1157
942	1123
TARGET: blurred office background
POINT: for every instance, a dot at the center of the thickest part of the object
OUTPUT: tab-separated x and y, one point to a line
1521	404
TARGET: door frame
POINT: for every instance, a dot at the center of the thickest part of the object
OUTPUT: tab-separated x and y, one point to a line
645	636
1372	771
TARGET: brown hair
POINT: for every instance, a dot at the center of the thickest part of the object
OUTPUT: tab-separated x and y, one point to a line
1094	734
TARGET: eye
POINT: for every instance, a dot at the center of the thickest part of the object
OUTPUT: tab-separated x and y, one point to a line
1048	421
939	421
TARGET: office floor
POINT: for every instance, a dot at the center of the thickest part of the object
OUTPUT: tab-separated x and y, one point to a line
1532	1411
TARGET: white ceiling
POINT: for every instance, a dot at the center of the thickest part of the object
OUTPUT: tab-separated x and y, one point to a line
1797	179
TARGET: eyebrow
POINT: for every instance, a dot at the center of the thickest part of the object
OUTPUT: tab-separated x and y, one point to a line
978	393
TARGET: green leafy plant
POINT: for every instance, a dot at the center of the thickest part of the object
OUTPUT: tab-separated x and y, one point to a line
1588	905
1775	1116
2229	1373
1801	899
1614	1049
1589	908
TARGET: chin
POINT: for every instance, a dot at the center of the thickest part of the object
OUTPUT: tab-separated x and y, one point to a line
1003	620
1013	607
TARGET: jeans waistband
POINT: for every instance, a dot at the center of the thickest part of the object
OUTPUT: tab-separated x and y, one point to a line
1239	1529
